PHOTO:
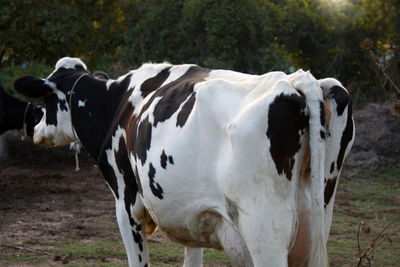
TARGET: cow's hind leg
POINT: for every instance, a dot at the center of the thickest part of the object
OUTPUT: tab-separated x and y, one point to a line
193	257
133	235
234	246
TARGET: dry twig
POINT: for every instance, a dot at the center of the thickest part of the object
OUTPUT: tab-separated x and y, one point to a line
376	242
26	249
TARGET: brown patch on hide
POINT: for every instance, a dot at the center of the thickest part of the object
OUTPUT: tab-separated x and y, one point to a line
149	225
305	169
327	105
299	252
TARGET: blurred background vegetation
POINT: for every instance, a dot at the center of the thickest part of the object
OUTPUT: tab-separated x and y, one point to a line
355	41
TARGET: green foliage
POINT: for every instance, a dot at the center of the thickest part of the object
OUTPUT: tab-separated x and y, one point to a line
13	71
253	36
215	34
38	30
227	34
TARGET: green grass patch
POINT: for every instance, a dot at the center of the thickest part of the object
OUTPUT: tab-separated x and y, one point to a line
104	253
21	256
83	263
90	250
371	196
165	253
172	254
213	255
76	251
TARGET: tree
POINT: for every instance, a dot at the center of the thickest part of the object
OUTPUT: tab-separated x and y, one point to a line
38	30
253	36
215	34
378	22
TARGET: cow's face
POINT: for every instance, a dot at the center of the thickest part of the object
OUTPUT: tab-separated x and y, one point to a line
55	127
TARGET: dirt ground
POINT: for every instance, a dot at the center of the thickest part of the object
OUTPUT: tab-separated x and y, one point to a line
41	194
43	198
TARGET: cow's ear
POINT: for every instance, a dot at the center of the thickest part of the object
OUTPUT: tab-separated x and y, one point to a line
33	87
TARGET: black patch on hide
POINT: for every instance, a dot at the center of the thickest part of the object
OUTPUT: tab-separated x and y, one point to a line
143	139
175	93
329	189
341	98
154	83
154	186
346	137
286	119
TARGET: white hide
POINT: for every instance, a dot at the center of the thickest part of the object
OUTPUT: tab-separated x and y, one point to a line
221	153
68	63
51	135
81	103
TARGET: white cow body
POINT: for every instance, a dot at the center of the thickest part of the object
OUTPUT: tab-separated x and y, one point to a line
220	159
223	138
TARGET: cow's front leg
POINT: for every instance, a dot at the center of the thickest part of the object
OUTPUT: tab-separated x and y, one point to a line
193	257
133	235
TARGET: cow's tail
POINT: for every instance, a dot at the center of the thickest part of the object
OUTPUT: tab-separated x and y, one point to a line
308	85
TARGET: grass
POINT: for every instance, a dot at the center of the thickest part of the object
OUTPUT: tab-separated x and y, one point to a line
102	253
374	198
369	196
171	254
73	250
32	258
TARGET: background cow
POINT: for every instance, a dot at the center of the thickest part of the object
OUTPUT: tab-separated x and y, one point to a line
14	114
215	158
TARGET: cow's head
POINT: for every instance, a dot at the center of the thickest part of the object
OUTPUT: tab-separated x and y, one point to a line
55	127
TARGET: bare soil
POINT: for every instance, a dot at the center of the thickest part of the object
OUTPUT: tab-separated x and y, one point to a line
41	194
43	198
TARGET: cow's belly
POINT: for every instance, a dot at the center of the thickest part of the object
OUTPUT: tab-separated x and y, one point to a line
190	209
180	188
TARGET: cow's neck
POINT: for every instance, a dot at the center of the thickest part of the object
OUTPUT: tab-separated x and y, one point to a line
93	108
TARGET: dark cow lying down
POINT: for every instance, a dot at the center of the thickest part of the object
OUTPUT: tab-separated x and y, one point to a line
215	158
17	114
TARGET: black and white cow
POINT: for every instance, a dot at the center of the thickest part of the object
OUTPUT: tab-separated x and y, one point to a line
17	114
215	158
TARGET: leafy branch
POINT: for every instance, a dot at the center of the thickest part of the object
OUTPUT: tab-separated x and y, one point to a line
367	45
